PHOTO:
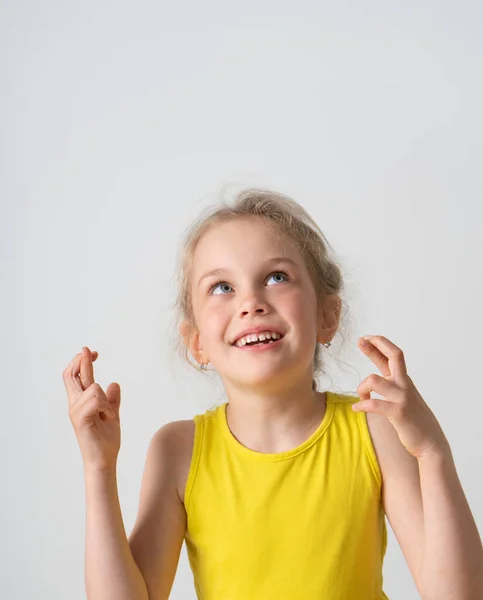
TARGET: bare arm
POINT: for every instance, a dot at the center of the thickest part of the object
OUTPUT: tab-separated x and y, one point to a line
452	562
110	569
158	533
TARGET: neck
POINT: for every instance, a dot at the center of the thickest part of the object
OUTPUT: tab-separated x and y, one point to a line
275	421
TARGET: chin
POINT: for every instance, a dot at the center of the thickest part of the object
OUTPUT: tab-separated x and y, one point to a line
264	377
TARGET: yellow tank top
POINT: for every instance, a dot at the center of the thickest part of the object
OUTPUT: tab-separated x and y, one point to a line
303	524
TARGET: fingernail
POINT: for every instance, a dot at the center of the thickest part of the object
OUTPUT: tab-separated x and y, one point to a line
363	342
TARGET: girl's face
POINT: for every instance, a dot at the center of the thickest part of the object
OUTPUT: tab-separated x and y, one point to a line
260	281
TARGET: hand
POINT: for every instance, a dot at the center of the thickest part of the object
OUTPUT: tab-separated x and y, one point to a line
94	414
403	406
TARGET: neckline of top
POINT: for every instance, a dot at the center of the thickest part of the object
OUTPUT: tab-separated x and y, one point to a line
238	446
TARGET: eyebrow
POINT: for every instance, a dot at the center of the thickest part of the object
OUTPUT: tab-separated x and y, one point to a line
276	260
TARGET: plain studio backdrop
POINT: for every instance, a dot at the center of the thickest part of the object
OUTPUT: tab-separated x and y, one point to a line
121	121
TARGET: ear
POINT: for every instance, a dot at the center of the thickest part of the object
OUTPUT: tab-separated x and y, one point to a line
329	318
192	340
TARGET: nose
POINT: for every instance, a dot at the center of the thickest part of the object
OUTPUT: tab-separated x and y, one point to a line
253	304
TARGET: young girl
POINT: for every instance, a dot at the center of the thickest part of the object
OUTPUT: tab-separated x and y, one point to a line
281	492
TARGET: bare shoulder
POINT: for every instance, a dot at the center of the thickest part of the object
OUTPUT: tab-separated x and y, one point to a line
181	435
391	455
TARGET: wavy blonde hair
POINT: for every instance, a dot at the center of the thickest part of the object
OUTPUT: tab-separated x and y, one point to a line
285	216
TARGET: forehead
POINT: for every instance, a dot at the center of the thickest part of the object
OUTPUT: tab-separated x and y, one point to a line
242	239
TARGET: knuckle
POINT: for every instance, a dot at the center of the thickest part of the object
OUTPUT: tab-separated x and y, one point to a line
372	379
93	401
405	385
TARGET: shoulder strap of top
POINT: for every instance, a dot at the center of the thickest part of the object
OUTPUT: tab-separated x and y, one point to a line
361	419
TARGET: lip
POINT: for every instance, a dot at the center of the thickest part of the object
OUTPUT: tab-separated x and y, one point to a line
257	329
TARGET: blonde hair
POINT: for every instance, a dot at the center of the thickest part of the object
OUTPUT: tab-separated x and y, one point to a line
287	217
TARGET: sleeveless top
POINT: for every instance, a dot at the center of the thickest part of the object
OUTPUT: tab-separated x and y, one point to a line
306	523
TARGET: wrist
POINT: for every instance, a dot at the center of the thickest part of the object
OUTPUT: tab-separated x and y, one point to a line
94	472
438	452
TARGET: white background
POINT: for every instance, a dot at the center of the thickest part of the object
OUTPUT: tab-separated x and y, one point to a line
121	121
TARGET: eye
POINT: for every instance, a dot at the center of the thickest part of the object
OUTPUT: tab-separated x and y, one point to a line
280	273
216	285
227	284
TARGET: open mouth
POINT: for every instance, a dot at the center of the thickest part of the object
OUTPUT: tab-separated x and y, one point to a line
260	344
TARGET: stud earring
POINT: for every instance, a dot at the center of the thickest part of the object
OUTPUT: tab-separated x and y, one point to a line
327	344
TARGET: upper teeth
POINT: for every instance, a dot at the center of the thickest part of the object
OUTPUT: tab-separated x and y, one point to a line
257	338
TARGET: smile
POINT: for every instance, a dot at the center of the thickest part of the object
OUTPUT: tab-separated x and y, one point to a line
261	346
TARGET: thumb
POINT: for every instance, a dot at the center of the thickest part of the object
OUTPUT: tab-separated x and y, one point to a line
113	394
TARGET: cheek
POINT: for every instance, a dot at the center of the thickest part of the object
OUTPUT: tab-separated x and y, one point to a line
300	303
303	312
215	317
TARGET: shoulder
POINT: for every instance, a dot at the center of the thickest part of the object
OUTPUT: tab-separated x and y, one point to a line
398	468
401	487
179	438
177	431
389	452
392	456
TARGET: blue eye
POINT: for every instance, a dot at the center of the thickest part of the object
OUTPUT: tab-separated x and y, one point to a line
217	284
225	283
280	273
